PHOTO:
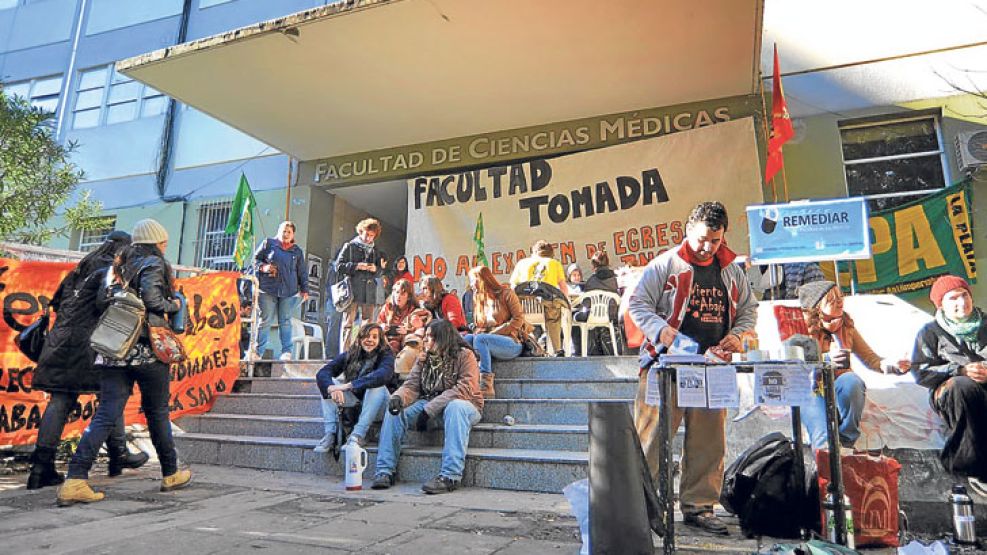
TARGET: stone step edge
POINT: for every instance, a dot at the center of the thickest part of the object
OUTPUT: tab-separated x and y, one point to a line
489	453
520	428
518	360
538	381
495	401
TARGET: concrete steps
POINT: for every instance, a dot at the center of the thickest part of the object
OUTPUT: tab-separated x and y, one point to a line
273	423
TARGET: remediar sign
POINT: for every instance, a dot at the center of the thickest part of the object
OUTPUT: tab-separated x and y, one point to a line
809	231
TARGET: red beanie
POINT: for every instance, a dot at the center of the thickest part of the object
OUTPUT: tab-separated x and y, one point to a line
944	285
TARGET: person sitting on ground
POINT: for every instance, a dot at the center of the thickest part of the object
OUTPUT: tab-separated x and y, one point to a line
412	343
835	332
442	304
544	278
395	312
445	383
283	284
950	359
364	373
574	278
500	327
359	260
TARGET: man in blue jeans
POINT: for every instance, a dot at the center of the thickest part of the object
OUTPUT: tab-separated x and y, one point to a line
444	383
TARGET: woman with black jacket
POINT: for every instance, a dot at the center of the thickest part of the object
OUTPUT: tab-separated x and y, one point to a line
143	266
365	372
359	260
66	367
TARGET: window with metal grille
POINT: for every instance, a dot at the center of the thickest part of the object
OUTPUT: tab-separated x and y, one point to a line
893	160
213	247
89	239
105	97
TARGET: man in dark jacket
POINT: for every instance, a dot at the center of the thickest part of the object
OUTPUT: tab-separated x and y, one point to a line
949	359
359	260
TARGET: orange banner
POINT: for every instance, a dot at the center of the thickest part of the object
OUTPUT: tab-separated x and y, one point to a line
211	342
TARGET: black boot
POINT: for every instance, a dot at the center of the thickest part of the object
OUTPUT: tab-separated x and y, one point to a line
43	471
126	459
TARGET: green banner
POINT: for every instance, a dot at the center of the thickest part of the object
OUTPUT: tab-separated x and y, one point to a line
914	244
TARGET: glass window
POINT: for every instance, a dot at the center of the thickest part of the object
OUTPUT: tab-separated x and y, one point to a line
894	161
124	100
22	90
42	92
117	113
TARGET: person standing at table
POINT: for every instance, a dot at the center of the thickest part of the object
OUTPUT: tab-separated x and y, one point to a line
283	285
359	259
697	290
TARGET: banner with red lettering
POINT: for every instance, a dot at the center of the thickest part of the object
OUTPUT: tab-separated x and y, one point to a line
211	342
630	200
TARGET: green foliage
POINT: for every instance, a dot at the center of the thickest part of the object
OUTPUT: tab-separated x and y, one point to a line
36	177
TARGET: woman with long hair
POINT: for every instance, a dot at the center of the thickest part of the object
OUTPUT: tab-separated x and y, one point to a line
499	322
402	270
442	304
67	367
443	384
834	330
365	374
394	315
283	282
143	267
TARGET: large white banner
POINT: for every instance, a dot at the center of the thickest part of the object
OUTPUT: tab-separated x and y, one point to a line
630	200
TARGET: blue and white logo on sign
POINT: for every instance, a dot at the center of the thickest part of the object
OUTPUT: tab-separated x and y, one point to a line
809	231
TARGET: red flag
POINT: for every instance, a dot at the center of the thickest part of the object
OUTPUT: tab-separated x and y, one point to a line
781	125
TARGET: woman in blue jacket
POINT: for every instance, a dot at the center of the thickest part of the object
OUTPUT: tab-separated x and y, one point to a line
283	284
364	372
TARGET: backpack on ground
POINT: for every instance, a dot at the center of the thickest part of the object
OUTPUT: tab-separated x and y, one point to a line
760	488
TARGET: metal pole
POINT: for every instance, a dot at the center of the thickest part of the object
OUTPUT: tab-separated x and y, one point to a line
253	324
799	467
835	464
665	484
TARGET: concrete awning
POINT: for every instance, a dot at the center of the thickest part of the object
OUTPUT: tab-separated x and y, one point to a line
344	79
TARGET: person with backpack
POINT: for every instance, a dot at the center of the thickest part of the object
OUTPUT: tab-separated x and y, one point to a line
143	267
365	375
66	368
500	327
283	282
360	262
694	289
542	276
445	383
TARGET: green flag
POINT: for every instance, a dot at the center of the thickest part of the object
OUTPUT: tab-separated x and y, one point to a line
241	222
481	257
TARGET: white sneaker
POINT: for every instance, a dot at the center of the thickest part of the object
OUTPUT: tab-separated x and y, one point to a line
327	442
285	356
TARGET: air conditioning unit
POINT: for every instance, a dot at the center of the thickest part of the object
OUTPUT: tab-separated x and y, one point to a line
971	150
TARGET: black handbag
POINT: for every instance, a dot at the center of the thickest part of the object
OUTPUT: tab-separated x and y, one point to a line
32	340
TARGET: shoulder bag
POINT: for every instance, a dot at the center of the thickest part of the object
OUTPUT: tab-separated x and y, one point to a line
32	339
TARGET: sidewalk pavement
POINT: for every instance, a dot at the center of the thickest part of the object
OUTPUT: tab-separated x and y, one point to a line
230	510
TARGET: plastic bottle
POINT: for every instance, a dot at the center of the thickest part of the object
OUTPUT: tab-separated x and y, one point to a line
964	529
829	508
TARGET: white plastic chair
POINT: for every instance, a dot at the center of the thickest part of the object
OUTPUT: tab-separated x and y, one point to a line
599	315
303	336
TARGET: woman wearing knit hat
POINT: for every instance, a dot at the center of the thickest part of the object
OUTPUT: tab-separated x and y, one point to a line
67	367
949	359
141	265
832	328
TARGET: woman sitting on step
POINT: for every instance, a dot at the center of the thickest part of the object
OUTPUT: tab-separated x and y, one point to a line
500	326
362	376
394	314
